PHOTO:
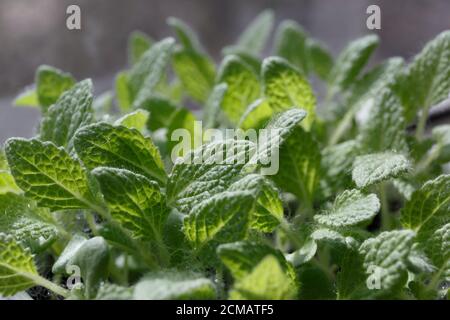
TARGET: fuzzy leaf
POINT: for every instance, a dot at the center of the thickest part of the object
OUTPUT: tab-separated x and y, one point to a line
267	281
213	105
173	285
351	208
285	87
50	84
49	175
385	256
256	115
135	120
72	111
428	207
135	201
104	145
374	168
243	86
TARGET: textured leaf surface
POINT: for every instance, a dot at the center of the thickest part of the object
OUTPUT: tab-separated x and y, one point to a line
49	175
104	145
196	72
135	120
285	87
428	76
375	168
428	207
438	249
146	74
222	218
351	208
387	255
17	267
268	211
198	175
28	225
241	257
134	201
71	112
350	62
256	115
267	281
50	84
173	285
243	87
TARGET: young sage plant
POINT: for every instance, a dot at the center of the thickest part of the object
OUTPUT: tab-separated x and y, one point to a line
110	200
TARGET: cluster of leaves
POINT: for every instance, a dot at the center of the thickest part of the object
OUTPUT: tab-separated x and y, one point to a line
359	208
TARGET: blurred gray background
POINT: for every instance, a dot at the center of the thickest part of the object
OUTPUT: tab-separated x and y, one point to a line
33	32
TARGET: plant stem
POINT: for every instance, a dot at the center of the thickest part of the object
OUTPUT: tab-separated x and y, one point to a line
386	218
422	123
41	281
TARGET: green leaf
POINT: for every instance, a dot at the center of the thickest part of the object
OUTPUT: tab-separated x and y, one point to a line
196	72
285	87
138	44
428	207
72	111
299	165
185	34
103	104
213	105
68	253
123	94
351	279
50	84
321	59
438	249
109	291
385	258
28	225
374	168
49	175
104	145
351	208
161	112
268	211
135	202
241	257
254	38
92	257
243	86
28	98
427	79
267	281
386	128
291	44
183	119
221	218
256	115
172	285
199	175
17	268
135	120
333	238
145	75
7	183
350	63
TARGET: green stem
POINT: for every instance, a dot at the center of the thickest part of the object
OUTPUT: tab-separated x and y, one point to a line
386	218
430	157
49	285
342	128
422	123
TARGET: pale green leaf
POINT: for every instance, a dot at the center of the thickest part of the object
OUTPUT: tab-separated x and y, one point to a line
285	87
123	95
135	120
243	86
161	112
49	175
17	268
185	34
72	111
385	258
68	253
172	285
428	207
135	202
104	145
267	281
138	44
213	105
351	208
321	61
7	183
50	84
28	98
377	167
437	248
256	115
